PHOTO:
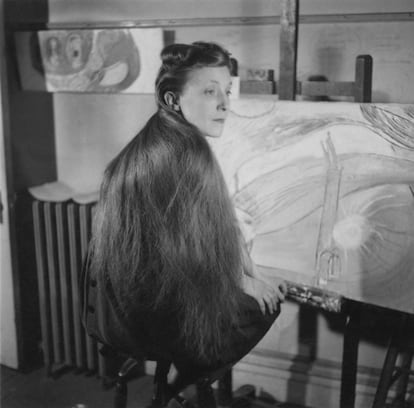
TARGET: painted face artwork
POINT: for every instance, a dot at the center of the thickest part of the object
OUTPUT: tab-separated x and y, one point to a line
204	101
87	60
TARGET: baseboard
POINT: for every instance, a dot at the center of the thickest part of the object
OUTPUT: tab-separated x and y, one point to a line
291	379
314	384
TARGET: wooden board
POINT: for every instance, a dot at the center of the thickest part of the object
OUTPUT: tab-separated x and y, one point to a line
322	191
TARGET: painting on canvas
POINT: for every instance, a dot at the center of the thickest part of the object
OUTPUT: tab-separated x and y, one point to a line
323	194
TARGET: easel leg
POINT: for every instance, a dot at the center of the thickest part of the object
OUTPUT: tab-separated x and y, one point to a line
387	372
350	356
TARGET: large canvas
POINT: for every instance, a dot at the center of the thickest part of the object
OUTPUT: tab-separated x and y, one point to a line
100	60
323	194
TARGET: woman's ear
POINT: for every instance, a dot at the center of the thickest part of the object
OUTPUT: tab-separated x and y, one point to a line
171	100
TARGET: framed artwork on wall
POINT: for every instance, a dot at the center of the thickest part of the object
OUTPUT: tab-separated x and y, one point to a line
89	60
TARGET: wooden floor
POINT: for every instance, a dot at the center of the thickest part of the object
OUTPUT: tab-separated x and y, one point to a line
36	390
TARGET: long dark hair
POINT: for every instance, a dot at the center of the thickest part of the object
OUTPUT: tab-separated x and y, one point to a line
165	231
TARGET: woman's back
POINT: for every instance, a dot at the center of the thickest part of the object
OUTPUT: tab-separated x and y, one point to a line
166	251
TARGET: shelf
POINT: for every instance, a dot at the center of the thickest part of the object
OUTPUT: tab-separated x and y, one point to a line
215	21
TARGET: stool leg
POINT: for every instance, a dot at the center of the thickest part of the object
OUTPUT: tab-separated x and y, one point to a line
121	388
161	395
205	395
225	394
121	394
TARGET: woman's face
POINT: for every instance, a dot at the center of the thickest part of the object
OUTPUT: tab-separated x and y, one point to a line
204	101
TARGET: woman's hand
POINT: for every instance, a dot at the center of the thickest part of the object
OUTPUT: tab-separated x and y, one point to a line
265	294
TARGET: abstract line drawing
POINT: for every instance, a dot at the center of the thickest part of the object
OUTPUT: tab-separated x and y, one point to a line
323	194
96	61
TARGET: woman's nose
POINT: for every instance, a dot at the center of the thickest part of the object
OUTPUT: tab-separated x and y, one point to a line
223	103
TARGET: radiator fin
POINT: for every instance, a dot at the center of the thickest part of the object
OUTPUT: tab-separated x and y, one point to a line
62	232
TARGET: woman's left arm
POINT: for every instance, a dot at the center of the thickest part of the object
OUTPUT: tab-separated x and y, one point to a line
267	293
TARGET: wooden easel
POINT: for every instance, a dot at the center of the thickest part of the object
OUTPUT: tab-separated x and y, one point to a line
287	87
360	89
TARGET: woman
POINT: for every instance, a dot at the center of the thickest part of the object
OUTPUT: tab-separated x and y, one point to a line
166	240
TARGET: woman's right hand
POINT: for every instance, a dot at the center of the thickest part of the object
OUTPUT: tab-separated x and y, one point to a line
267	296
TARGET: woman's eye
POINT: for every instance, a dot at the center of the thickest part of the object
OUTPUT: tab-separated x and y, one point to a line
209	91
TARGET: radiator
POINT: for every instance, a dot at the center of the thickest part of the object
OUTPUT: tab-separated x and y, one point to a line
61	232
